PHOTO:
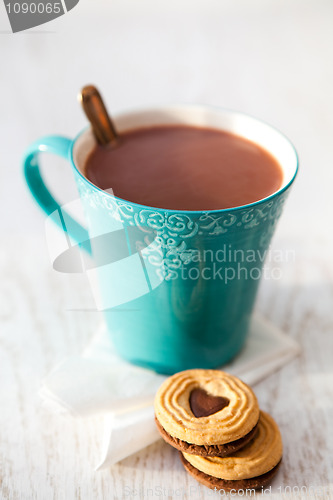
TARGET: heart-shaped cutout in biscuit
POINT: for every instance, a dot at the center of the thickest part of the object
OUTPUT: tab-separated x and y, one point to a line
203	404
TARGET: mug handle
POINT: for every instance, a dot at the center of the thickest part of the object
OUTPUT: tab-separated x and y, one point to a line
60	146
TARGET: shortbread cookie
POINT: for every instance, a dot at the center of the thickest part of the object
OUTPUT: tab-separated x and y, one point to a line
251	467
206	412
225	485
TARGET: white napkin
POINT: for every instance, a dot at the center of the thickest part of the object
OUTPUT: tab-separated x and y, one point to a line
100	382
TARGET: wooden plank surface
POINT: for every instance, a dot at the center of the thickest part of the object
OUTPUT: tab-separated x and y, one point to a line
49	456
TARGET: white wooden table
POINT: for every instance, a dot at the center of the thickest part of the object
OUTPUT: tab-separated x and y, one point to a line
270	59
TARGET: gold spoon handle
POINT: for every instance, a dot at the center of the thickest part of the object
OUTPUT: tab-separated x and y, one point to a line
95	110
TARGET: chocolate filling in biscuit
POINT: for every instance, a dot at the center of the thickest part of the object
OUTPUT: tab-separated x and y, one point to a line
203	404
209	450
228	485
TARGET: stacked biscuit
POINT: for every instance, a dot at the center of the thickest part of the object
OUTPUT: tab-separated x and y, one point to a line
214	420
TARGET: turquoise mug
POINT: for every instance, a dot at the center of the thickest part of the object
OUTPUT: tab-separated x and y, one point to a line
180	292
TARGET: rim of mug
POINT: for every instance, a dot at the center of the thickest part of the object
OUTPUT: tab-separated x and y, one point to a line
184	107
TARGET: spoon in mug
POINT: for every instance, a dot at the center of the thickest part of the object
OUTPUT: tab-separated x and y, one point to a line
95	110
